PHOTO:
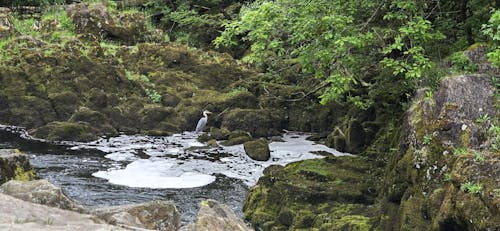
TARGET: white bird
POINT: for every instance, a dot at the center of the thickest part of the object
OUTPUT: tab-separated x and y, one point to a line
202	122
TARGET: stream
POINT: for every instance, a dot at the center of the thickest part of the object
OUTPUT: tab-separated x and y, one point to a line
134	168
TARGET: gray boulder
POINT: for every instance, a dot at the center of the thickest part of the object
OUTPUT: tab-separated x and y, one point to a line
40	192
257	149
157	215
214	216
19	215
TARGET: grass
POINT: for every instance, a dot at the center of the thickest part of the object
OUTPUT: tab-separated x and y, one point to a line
471	187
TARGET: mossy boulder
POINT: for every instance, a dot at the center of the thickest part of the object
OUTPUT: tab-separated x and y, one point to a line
95	22
259	122
237	137
257	149
69	131
15	165
95	119
445	173
302	195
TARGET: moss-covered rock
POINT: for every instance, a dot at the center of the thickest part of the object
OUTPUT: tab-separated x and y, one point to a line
444	166
257	149
15	165
237	137
70	131
259	122
314	194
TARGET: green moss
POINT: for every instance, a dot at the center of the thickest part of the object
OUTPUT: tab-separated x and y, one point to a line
353	223
22	174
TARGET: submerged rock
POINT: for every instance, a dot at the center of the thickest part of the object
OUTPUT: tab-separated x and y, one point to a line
15	165
257	149
40	192
157	215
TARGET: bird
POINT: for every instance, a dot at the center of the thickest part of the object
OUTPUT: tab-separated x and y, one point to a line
203	121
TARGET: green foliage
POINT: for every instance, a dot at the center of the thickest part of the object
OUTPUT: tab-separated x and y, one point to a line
153	95
494	133
483	118
26	26
460	151
406	54
461	63
237	91
447	177
492	30
471	187
478	156
325	37
427	139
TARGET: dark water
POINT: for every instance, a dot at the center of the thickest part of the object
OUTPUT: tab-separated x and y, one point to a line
72	171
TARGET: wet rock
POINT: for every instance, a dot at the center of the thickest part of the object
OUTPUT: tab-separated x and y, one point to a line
336	140
257	149
214	216
355	137
158	215
21	215
40	192
301	194
15	165
259	122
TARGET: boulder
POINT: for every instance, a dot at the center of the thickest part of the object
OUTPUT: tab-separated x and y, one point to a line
69	131
40	192
19	215
237	137
334	193
257	149
157	215
214	216
95	119
446	174
15	165
259	122
6	24
95	22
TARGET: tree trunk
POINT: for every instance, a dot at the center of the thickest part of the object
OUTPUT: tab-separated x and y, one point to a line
468	30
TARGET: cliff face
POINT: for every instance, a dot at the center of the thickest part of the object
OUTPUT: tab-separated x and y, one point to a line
445	175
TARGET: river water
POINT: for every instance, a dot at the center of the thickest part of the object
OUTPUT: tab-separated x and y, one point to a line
134	168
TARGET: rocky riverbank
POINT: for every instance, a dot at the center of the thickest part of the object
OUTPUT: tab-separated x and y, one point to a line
40	205
444	175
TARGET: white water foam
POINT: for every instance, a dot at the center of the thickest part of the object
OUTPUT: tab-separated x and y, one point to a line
172	163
